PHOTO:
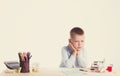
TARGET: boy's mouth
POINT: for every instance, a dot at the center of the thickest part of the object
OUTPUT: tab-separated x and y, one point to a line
79	47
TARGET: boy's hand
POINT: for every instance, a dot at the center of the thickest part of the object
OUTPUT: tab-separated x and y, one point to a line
74	51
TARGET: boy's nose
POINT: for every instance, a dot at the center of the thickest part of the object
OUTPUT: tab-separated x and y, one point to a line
79	44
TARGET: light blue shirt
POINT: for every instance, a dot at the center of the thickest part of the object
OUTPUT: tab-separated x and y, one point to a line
70	61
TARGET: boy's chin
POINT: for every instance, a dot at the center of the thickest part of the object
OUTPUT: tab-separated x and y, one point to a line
79	49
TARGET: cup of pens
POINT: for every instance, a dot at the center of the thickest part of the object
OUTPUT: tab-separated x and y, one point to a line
24	59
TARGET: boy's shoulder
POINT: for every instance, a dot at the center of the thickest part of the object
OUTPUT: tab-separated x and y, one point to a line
66	49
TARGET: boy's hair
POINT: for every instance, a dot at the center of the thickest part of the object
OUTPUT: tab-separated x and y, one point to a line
76	30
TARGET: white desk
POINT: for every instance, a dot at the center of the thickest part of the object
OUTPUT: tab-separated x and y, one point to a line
59	72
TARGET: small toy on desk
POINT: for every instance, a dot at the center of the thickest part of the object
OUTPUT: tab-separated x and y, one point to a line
98	66
109	68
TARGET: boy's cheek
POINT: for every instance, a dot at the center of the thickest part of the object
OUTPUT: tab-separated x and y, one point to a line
76	46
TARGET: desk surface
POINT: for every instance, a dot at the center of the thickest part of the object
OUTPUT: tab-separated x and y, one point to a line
59	72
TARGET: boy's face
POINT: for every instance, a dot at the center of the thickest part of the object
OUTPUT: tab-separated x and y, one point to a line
77	41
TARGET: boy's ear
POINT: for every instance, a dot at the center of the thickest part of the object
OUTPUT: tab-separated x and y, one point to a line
69	40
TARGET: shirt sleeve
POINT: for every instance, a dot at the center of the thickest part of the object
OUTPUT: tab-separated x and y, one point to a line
82	59
67	61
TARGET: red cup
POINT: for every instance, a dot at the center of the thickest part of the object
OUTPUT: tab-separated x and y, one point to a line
109	69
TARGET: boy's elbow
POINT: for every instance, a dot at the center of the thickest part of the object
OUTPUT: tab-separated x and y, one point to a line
68	66
84	65
65	65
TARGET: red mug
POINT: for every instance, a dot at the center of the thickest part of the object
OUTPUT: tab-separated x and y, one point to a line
109	69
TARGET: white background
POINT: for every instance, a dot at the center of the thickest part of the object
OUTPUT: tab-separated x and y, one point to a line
42	27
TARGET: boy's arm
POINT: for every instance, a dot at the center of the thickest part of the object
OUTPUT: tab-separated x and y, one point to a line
82	60
66	60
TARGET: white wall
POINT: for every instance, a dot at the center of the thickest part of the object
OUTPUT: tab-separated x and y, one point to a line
42	27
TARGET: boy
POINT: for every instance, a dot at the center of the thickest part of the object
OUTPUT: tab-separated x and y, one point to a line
73	55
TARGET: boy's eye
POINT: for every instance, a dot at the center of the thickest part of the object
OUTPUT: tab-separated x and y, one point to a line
82	40
76	41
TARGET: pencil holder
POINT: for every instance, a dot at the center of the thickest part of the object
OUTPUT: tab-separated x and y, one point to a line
24	66
24	59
